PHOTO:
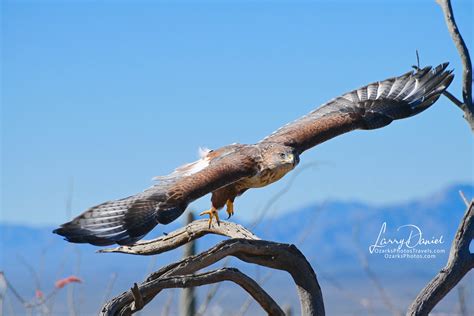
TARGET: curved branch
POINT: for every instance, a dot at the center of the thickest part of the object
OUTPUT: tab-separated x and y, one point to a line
467	107
181	236
270	254
460	262
153	287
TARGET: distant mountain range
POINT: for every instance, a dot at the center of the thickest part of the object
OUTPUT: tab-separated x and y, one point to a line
334	236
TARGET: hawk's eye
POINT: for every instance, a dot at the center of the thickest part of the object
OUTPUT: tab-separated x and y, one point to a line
282	155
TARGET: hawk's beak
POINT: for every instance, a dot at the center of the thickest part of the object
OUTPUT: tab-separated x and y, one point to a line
292	159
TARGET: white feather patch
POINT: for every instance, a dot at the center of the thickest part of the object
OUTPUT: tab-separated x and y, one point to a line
415	89
188	169
203	151
198	166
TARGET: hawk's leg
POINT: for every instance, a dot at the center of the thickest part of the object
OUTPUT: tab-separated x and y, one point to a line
213	212
230	208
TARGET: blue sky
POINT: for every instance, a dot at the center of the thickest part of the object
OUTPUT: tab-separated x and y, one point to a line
106	96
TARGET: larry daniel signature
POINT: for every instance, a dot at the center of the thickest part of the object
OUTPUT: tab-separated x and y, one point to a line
412	237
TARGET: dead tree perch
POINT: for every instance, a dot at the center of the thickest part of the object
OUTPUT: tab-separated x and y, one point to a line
460	262
466	105
183	235
242	245
151	288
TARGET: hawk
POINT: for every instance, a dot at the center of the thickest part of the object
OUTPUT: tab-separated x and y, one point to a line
229	171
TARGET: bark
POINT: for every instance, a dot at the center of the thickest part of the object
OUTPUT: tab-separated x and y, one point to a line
250	249
466	106
460	262
182	236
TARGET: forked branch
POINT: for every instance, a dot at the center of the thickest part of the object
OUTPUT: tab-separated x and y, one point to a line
466	106
248	249
143	292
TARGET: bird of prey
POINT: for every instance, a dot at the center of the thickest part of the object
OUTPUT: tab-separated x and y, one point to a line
229	171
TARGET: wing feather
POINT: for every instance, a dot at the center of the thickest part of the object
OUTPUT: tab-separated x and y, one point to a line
127	220
369	107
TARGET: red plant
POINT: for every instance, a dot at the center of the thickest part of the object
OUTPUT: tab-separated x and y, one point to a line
63	282
39	294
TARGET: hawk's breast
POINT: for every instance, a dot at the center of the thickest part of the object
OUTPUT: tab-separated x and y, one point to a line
264	178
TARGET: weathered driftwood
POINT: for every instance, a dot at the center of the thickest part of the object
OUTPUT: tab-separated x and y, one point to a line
249	249
183	235
142	294
460	262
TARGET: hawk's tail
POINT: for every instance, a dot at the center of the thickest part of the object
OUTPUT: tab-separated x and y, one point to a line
122	221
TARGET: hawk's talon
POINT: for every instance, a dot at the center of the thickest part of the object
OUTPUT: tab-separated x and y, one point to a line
212	213
230	208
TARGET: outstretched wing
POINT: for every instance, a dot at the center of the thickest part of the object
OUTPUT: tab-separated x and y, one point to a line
127	220
370	107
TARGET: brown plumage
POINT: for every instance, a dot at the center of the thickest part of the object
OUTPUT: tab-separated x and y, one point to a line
231	170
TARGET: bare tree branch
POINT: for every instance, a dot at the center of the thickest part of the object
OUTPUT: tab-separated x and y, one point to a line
265	253
460	262
182	236
151	288
138	302
246	305
466	106
453	99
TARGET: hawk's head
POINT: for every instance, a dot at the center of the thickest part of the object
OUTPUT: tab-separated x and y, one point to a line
279	157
